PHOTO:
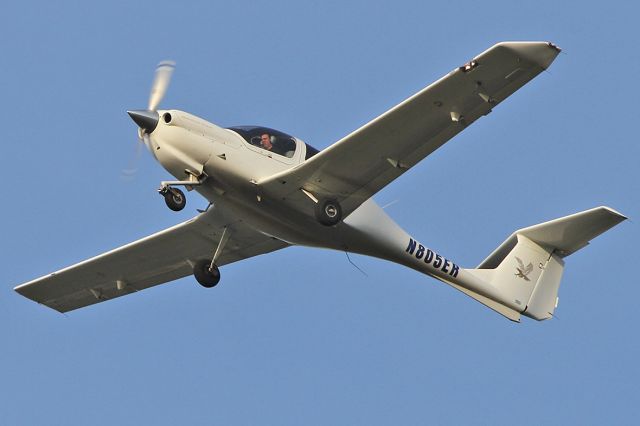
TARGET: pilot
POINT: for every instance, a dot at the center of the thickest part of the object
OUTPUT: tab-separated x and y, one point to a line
265	141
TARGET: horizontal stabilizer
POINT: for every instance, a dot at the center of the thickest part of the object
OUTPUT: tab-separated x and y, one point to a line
563	236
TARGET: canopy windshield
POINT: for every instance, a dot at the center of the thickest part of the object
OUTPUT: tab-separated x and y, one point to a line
268	139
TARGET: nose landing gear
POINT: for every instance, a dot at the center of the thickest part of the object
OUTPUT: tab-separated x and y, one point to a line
174	198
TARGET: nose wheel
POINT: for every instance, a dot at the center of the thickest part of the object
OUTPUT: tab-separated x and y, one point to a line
174	198
206	274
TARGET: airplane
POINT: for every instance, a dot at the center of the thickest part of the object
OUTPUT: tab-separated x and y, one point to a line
268	190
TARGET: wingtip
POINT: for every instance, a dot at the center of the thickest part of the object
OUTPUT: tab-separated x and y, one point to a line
542	53
554	46
614	212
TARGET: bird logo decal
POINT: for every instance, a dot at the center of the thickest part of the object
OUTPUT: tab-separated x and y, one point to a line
522	271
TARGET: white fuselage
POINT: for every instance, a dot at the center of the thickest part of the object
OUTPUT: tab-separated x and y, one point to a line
190	145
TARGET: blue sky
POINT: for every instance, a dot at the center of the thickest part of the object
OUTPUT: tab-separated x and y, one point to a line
300	336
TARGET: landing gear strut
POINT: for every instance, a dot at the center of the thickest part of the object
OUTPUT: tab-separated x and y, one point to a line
206	271
206	274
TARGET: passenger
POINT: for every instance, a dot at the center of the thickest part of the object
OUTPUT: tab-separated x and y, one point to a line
265	141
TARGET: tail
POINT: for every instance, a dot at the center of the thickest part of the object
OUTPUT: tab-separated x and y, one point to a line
528	266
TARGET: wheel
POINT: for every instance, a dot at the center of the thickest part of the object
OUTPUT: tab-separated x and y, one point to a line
206	277
175	199
328	212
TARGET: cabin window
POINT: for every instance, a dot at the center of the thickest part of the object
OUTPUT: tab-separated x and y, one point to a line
268	139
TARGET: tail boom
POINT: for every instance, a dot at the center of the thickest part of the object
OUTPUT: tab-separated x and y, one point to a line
522	276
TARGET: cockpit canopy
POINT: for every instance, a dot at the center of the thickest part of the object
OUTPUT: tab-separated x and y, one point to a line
272	140
268	139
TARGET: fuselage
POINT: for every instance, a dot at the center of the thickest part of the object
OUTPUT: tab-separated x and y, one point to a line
234	161
233	166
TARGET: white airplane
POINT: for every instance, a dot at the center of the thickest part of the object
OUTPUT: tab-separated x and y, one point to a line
269	190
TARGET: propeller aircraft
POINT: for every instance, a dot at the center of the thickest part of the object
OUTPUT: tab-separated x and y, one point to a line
269	190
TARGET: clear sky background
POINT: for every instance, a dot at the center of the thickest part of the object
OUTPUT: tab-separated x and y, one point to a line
300	336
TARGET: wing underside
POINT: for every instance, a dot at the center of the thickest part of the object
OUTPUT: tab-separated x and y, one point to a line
156	259
362	163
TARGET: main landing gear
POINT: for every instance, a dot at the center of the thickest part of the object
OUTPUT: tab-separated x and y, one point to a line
206	271
328	212
206	274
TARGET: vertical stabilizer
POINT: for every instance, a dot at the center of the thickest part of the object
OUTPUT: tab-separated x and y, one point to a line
527	267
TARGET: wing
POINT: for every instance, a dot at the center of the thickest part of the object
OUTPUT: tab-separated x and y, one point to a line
362	163
156	259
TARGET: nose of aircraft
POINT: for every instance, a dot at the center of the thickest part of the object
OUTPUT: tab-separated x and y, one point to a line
145	119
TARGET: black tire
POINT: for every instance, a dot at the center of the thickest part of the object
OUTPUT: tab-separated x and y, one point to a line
206	277
175	199
328	212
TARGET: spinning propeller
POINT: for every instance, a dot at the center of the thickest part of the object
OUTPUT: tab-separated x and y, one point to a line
147	120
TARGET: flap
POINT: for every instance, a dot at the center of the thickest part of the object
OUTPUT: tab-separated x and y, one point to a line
562	236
